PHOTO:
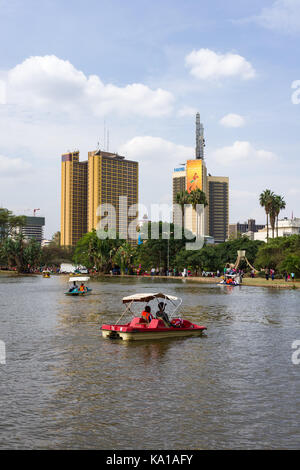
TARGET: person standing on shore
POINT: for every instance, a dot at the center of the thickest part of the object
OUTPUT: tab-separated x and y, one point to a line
267	274
293	276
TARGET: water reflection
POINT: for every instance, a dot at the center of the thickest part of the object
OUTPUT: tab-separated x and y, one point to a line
64	386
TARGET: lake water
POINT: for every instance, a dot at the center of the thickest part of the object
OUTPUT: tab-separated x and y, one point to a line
65	387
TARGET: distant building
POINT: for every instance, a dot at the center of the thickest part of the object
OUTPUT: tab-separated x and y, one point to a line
34	228
86	185
112	176
218	207
214	221
179	185
46	242
239	229
286	228
74	187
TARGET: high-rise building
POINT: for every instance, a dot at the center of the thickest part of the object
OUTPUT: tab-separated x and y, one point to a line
215	217
33	228
86	185
111	176
179	185
74	179
218	207
200	141
238	229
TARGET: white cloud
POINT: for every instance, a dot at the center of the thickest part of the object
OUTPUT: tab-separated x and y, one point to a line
152	150
206	64
49	83
186	111
240	152
155	150
232	120
13	166
283	15
157	159
2	92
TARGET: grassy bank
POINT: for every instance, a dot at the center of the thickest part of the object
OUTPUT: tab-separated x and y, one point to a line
247	281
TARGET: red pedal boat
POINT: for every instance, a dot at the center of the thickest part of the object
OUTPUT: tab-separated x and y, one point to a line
163	326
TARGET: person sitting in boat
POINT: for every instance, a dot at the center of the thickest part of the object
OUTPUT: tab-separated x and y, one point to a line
82	288
74	287
162	314
146	314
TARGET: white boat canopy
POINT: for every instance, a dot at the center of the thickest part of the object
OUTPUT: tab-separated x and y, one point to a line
147	297
79	279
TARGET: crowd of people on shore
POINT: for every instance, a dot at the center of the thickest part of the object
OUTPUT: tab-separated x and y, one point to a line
268	273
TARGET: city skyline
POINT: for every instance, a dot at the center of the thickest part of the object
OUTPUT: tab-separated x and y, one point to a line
235	64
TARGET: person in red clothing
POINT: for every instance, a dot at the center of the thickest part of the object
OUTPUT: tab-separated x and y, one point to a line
146	314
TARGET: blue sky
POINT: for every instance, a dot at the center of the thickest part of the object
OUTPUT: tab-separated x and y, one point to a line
143	69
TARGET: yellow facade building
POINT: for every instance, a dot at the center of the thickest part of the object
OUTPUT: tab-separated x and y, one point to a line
106	177
74	178
214	221
111	176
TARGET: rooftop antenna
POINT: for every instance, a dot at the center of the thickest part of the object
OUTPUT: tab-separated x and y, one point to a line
200	141
108	140
104	136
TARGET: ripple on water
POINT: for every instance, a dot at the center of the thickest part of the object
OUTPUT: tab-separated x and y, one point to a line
63	386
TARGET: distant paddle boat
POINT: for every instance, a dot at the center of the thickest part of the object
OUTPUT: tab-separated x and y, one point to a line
141	328
231	280
78	287
46	274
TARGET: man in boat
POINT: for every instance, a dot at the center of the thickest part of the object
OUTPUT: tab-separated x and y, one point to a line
162	314
74	287
146	314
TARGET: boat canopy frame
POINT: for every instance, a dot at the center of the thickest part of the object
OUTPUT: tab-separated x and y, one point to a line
79	279
147	297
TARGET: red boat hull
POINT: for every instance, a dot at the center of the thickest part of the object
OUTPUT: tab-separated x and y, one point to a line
137	329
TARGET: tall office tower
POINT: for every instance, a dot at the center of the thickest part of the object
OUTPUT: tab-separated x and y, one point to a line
200	141
196	178
33	228
218	207
74	177
179	185
112	176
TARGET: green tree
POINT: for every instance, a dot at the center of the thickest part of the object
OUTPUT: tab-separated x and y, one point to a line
265	200
160	252
279	205
93	252
123	256
20	253
10	223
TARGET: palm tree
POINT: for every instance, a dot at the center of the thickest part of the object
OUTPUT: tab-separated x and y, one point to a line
122	256
265	200
279	205
197	197
182	199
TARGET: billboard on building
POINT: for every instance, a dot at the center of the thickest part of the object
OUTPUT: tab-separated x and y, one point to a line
194	175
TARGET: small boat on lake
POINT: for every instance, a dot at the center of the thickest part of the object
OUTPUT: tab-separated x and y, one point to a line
144	328
231	280
46	274
78	289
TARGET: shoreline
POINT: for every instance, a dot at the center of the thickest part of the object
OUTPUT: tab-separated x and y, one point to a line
247	281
